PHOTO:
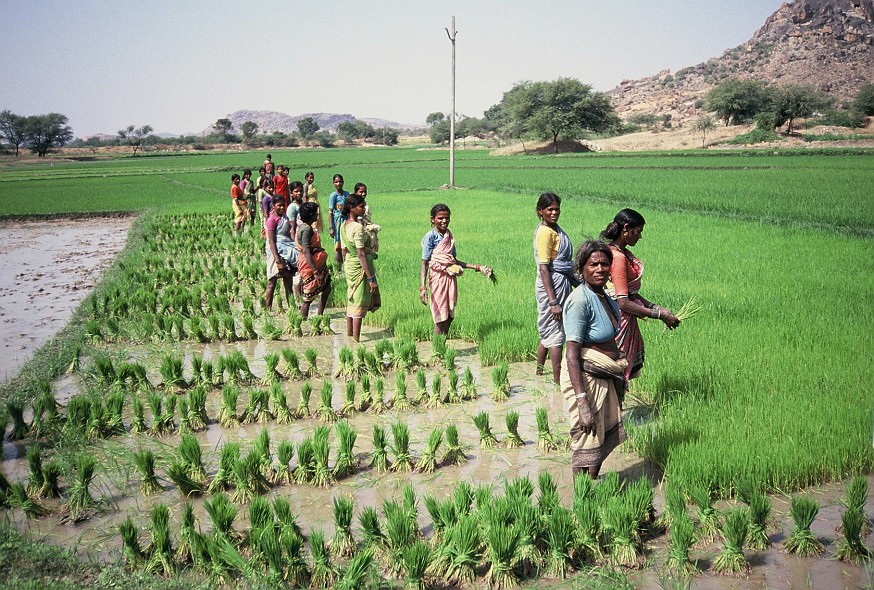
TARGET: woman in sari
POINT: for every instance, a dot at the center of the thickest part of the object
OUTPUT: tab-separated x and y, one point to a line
311	195
593	383
281	252
554	256
338	217
626	273
312	262
440	269
362	290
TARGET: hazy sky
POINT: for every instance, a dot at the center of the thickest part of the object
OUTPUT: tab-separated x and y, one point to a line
179	65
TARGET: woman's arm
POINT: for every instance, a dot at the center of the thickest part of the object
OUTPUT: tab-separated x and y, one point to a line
271	239
575	369
653	311
423	283
368	272
546	278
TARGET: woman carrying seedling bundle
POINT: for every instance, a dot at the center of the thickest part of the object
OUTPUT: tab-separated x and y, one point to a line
281	252
440	269
594	382
554	255
362	293
312	261
626	273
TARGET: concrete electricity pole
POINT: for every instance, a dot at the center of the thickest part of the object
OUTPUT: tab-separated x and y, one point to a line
452	115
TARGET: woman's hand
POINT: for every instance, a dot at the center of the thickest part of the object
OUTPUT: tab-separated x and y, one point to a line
587	419
373	285
555	310
423	296
667	316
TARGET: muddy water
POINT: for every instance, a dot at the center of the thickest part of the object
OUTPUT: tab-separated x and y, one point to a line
46	270
118	481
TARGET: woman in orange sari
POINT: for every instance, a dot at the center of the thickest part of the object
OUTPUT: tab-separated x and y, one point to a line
312	262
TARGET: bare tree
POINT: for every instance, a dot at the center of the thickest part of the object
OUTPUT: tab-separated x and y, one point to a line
134	135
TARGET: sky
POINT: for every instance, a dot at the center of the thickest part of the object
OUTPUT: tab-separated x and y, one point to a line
178	65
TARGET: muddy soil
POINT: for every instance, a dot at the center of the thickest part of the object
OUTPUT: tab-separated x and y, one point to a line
46	269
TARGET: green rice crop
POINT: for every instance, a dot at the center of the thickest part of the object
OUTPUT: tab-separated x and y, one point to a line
400	402
131	550
682	537
343	543
346	462
403	461
324	573
851	548
324	411
371	529
379	456
161	548
303	408
223	478
421	397
292	363
322	476
454	451
145	462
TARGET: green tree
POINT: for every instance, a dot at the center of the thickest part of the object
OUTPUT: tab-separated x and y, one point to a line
434	118
704	123
224	128
736	100
134	135
864	101
249	129
307	127
386	136
795	101
13	128
43	132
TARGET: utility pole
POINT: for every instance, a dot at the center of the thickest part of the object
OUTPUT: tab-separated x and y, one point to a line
452	115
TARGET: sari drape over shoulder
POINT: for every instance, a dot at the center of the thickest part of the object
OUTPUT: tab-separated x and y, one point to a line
442	279
561	270
359	298
604	383
629	340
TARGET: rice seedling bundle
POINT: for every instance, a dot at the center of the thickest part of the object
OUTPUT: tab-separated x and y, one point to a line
856	494
271	374
487	440
80	505
483	496
238	367
324	411
144	460
198	330
374	366
851	548
208	371
78	412
548	500
267	551
400	533
281	411
17	497
639	494
303	407
228	413
359	367
454	451
346	462
405	355
588	529
324	573
222	515
545	439
457	561
285	518
322	476
171	372
219	370
131	550
348	406
34	462
269	328
500	382
468	387
230	455
378	405
435	400
379	456
249	481
15	411
732	560
51	481
708	518
343	543
294	326
184	416
357	571
675	505
513	440
400	402
560	541
372	536
249	326
619	524
261	449
185	547
160	550
401	447
760	514
682	538
502	541
192	457
297	570
802	541
215	329
410	502
292	363
306	462
438	347
178	472
168	417
105	370
428	461
421	397
228	328
366	392
416	559
197	416
97	419
311	356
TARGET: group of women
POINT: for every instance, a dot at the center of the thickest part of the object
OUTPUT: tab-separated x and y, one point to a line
591	302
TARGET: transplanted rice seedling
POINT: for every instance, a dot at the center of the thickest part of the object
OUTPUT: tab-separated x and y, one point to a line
192	458
238	368
168	418
348	406
399	401
270	330
405	355
265	456
675	505
324	573
732	560
682	537
856	494
378	405
51	477
197	408
322	475
416	559
560	542
186	535
171	373
184	416
379	456
249	326
366	392
15	411
371	530
311	356
34	462
513	440
428	461
282	414
17	497
468	387
271	375
438	347
454	451
802	541
306	463
324	411
178	473
292	363
708	518
286	519
760	514
145	462
410	503
453	396
500	382
222	515
80	505
357	571
620	528
230	456
343	543
131	550
400	533
346	462
545	438
303	407
161	549
249	481
588	529
502	540
297	570
435	400
456	561
548	500
421	388
401	447
294	326
487	440
851	548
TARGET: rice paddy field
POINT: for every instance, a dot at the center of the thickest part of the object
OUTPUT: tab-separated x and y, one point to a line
198	409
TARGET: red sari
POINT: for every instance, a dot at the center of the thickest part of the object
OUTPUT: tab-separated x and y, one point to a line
626	273
441	279
313	280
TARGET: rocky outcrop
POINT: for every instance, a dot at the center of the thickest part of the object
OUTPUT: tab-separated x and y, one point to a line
827	43
273	121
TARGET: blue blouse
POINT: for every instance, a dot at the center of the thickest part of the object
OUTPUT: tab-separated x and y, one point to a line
585	319
430	241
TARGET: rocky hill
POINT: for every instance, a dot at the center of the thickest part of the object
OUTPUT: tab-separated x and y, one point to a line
270	121
827	43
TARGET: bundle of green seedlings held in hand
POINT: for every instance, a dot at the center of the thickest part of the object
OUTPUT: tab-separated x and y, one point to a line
487	440
802	541
732	560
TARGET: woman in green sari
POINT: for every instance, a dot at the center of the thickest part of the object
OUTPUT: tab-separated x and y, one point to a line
362	290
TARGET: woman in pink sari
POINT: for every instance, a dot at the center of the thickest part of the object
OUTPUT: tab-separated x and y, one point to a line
440	269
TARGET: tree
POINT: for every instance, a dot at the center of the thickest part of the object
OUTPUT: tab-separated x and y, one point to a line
134	136
307	127
249	129
864	102
794	101
434	118
43	132
224	128
13	128
704	123
386	136
736	100
564	107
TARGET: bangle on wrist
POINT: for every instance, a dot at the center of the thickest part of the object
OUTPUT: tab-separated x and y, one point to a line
553	303
422	289
658	311
476	267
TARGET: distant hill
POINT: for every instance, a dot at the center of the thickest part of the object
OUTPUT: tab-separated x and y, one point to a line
827	43
271	121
